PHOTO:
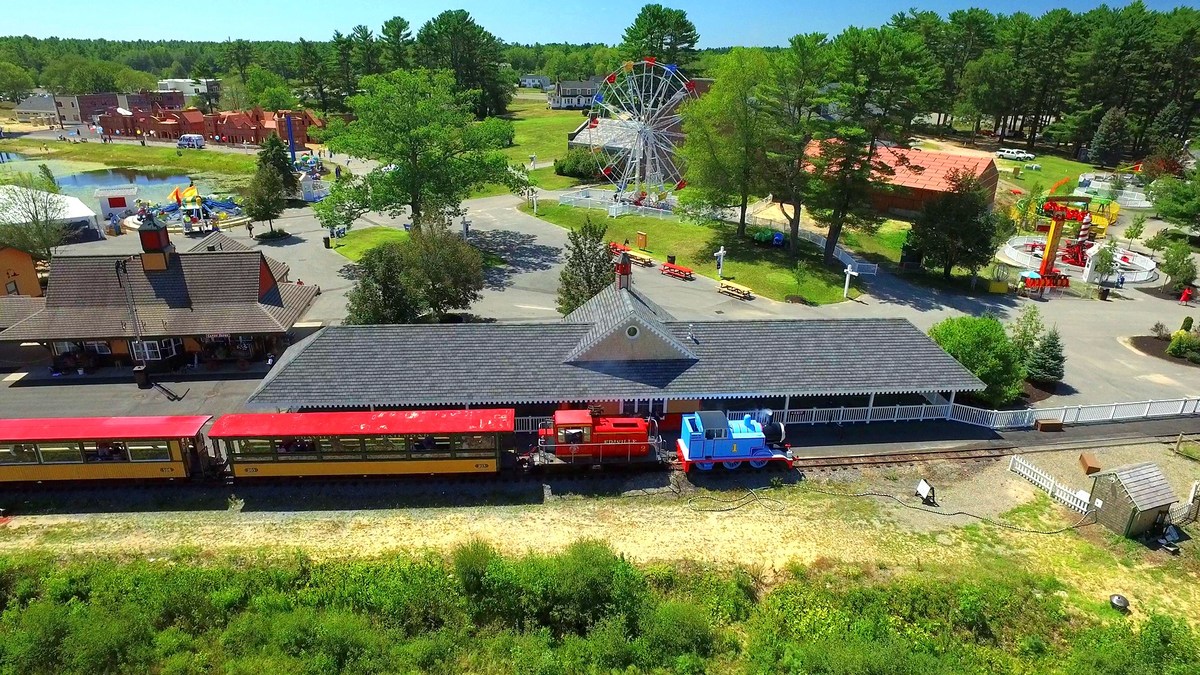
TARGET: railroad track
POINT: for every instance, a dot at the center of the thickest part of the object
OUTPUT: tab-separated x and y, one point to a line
858	461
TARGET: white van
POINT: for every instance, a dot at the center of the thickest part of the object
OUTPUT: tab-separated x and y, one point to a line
1013	153
190	141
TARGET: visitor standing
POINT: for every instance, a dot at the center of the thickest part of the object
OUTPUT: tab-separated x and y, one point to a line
250	228
1185	296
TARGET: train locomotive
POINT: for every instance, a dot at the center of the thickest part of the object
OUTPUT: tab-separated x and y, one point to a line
389	443
709	437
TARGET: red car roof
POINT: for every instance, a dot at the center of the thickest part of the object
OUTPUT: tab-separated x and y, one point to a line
390	423
89	428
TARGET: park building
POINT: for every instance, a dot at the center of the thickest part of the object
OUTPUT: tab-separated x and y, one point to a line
623	354
219	303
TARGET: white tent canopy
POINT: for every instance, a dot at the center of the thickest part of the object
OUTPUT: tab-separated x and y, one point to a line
74	210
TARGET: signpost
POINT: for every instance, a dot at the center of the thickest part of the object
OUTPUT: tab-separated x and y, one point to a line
846	288
720	256
466	227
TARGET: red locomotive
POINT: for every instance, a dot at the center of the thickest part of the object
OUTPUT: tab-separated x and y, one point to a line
587	437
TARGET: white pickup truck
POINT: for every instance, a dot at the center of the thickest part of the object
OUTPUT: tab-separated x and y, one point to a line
1014	154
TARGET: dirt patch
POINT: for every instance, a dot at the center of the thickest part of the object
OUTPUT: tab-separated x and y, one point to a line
1152	346
1034	392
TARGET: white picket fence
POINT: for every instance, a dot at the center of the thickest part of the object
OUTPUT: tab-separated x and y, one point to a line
1046	482
1187	511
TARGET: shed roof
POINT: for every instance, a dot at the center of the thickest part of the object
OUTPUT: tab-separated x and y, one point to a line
224	242
1145	484
37	103
16	308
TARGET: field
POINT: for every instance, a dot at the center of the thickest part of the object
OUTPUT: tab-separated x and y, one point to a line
801	577
539	130
154	157
882	246
769	271
544	178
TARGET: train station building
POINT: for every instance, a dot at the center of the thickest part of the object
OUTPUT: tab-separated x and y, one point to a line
622	352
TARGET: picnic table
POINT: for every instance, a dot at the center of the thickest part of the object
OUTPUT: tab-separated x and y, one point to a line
677	271
735	290
640	258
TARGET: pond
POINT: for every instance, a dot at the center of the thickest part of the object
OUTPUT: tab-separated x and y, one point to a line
81	179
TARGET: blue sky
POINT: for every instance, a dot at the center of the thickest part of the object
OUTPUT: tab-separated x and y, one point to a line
720	22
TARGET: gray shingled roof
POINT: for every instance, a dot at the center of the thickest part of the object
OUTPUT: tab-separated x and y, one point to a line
198	294
37	103
611	309
15	308
224	242
1145	483
406	365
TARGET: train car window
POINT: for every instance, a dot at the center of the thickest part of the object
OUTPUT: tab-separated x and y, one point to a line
105	451
385	447
254	446
342	446
477	442
710	434
60	453
575	435
18	453
149	451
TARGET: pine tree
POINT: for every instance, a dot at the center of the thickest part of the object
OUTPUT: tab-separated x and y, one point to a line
589	266
1047	361
275	155
1109	138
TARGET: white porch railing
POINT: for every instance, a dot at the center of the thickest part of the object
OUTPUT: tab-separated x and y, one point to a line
1046	482
980	417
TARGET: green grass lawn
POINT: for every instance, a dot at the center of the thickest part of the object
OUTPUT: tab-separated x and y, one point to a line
358	242
545	178
882	246
136	156
768	271
1053	170
539	130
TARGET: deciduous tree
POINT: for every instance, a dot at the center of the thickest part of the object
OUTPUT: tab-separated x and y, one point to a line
958	229
424	136
1025	331
265	200
726	133
1178	201
31	214
443	270
1178	266
274	154
589	266
381	293
15	82
980	344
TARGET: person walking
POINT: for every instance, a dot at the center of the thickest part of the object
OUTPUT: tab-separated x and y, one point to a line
250	229
1185	296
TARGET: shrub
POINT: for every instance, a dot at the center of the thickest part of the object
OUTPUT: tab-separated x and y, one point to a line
984	348
579	163
1182	343
1187	323
271	235
1193	357
1159	330
673	629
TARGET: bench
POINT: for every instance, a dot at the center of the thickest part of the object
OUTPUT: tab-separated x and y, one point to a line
677	271
736	290
640	258
1048	425
616	248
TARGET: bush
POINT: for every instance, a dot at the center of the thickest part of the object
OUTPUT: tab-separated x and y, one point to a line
579	163
1182	343
1187	323
1159	330
271	235
673	629
1193	357
984	348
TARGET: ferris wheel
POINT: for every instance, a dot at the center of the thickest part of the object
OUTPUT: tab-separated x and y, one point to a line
634	129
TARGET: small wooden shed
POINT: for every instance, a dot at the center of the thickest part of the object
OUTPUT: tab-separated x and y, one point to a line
1132	499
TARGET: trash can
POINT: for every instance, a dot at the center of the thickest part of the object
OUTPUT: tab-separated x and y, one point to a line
325	239
1104	293
670	260
141	377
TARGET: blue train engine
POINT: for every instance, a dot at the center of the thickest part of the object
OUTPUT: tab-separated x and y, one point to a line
709	437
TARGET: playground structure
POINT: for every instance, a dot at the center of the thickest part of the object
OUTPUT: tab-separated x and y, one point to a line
634	130
1098	212
1076	256
189	211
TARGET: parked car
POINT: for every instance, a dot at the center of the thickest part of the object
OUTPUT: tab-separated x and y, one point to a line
1014	154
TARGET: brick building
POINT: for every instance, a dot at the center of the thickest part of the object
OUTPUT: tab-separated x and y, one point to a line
237	126
86	108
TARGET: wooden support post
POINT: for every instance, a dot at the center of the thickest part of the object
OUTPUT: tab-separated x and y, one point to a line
870	407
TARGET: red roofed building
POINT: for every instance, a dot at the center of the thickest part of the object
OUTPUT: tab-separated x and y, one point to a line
923	175
236	127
